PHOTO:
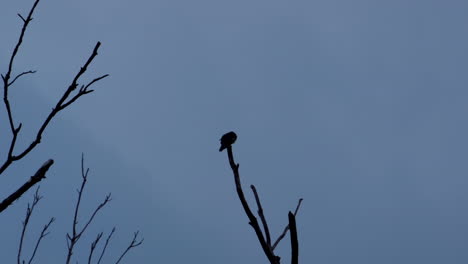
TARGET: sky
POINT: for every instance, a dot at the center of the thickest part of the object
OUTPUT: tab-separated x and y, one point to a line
358	107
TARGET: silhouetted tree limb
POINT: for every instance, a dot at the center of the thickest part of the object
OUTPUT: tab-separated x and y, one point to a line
134	243
264	239
261	215
252	219
63	102
93	246
76	234
19	75
71	94
44	233
294	241
285	231
38	176
106	244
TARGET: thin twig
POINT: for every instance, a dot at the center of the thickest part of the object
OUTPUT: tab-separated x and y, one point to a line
105	245
285	231
38	176
253	220
93	247
19	75
261	215
133	244
44	233
29	212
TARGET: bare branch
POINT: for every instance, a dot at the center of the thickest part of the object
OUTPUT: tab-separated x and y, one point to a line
38	176
106	200
83	90
253	220
7	76
261	215
19	75
29	212
61	104
93	247
285	231
76	234
133	244
294	241
105	245
44	233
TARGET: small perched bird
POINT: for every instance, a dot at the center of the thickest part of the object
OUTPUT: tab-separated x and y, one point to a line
227	140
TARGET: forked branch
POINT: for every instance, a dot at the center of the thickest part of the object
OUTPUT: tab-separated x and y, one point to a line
263	238
65	100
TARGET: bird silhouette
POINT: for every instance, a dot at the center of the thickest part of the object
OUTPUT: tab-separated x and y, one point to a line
227	140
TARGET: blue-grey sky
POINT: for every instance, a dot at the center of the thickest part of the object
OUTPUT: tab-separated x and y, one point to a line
359	107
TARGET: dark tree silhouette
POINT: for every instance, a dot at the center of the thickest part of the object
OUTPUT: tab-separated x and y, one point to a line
264	236
71	94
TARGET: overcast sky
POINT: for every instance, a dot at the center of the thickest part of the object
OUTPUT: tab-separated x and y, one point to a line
359	107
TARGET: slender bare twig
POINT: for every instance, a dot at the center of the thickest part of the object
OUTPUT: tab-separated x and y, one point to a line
253	220
133	244
76	234
93	247
29	212
261	215
285	231
105	245
44	233
294	241
38	176
19	75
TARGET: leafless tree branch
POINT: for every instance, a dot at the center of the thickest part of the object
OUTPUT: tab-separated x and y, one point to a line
253	220
44	233
105	245
261	215
19	75
29	212
285	231
7	76
134	243
63	102
93	247
294	240
38	176
76	234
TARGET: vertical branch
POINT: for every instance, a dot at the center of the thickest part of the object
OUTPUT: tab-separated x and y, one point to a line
262	216
76	234
294	241
7	76
29	212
